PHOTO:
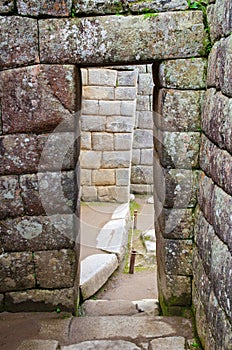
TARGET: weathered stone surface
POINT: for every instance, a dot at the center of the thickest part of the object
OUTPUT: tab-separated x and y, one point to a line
19	154
49	193
128	108
38	98
118	194
206	196
58	151
110	108
101	77
98	6
98	40
92	122
127	78
102	141
174	343
40	300
213	65
103	345
219	16
16	271
227	78
145	84
125	93
122	141
89	193
86	177
10	200
116	159
108	307
90	107
181	74
120	124
177	149
6	6
157	6
90	159
31	233
37	344
147	156
177	223
85	140
55	269
143	139
142	174
103	177
142	189
142	102
145	119
91	280
122	177
177	110
136	156
45	7
18	44
98	92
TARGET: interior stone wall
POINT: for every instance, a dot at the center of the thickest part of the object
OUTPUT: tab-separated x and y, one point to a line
40	60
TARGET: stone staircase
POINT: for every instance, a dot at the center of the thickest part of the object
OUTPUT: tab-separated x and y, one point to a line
113	325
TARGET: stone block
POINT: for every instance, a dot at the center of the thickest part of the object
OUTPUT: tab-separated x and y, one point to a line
141	189
90	159
142	174
30	233
178	110
89	193
145	84
147	156
102	141
127	78
38	98
156	6
122	177
125	93
37	344
103	345
116	159
84	76
11	203
227	78
143	139
6	6
58	43
86	140
41	300
136	156
91	280
35	8
98	93
213	66
109	307
177	149
58	151
177	223
174	343
86	177
128	108
181	74
219	19
19	154
145	119
102	77
98	7
93	123
108	108
17	271
90	107
206	196
103	177
119	124
118	194
122	141
49	193
19	42
55	269
143	103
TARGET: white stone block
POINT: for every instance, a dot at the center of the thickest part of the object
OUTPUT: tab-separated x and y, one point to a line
102	141
136	156
143	139
90	107
84	76
147	156
122	141
116	159
86	140
88	193
101	76
120	124
95	271
122	177
125	93
145	84
168	343
145	119
143	103
98	93
103	177
128	108
90	159
103	345
127	78
109	108
86	177
93	123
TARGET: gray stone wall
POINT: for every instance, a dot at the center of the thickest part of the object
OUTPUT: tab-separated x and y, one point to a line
212	260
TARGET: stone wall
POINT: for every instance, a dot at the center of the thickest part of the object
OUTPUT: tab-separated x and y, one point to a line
212	260
107	126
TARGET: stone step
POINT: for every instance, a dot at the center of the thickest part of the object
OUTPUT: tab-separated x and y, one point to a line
120	307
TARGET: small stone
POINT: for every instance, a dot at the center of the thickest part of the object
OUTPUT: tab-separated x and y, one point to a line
170	343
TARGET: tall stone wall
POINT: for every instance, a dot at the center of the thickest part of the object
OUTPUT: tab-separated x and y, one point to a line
212	260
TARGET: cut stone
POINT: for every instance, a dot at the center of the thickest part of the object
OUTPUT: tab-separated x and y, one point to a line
169	343
95	271
109	307
102	345
37	344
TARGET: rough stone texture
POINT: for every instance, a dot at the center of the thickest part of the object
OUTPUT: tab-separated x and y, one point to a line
177	110
181	74
18	44
10	200
55	269
118	194
116	159
143	138
157	6
219	16
6	6
40	300
174	343
141	174
97	40
17	271
37	344
38	98
37	233
44	7
103	177
103	345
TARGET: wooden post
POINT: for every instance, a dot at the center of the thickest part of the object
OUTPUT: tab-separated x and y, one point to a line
132	261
